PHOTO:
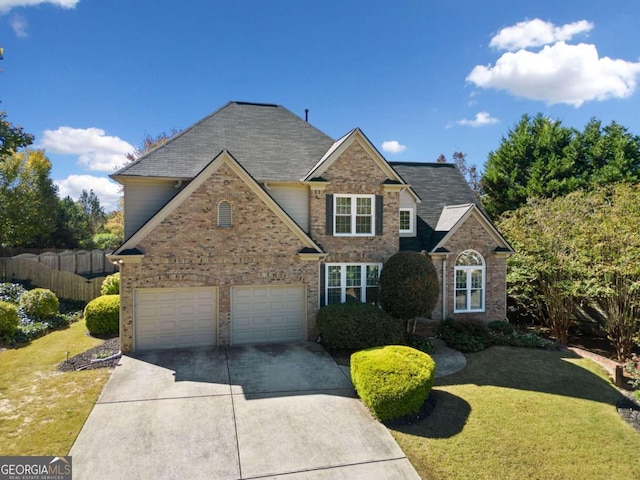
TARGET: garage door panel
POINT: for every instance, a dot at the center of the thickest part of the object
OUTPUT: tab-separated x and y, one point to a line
267	314
173	318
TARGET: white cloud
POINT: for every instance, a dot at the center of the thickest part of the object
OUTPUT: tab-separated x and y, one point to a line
19	25
482	118
97	151
107	191
560	73
393	146
536	33
7	5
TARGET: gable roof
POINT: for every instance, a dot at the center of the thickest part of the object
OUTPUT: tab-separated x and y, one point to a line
447	201
438	185
222	158
256	134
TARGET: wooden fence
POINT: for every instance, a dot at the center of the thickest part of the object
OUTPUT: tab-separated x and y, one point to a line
63	284
82	262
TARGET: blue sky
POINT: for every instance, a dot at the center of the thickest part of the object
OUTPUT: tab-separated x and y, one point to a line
89	77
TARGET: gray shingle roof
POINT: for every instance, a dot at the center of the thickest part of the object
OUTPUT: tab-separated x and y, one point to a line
438	185
268	140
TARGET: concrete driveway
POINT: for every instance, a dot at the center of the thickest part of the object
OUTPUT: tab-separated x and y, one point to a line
278	411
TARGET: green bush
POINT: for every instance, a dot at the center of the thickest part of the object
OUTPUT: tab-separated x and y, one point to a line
420	343
102	315
11	292
111	285
466	336
356	326
517	339
392	381
500	326
8	318
40	303
106	241
409	286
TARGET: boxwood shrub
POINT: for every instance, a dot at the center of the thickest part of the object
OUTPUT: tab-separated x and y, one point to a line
40	303
111	285
102	315
466	336
8	318
355	326
392	381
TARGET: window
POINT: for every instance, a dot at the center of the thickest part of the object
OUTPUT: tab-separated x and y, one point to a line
224	214
406	220
354	215
470	279
356	282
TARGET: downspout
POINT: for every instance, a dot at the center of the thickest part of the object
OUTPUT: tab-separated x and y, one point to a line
444	288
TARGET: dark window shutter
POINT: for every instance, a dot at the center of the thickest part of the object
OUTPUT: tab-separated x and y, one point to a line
329	214
323	275
379	208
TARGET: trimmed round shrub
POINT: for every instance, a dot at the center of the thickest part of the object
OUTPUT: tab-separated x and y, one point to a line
11	292
40	303
466	336
102	315
8	318
409	286
111	285
392	381
355	326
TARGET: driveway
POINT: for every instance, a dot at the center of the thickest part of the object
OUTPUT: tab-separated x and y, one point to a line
278	411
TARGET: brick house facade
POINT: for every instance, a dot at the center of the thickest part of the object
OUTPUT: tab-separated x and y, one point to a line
246	247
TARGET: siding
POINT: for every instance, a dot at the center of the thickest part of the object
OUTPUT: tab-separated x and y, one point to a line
294	200
407	201
142	200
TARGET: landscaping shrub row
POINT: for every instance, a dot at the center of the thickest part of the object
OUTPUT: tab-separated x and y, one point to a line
469	336
29	314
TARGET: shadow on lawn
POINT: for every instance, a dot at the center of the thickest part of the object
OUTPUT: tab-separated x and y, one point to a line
553	372
542	371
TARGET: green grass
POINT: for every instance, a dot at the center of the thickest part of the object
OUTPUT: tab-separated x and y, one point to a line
41	409
516	413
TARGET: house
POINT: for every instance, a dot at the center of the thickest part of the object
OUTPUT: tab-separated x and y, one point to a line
240	227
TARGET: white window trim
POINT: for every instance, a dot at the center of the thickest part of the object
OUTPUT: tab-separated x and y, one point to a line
468	269
411	222
354	203
343	280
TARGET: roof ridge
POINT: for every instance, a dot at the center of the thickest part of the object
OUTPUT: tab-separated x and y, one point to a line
423	164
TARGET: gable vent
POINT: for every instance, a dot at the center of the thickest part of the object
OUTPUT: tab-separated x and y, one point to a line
224	214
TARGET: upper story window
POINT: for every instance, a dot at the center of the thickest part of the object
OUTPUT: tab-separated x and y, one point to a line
406	220
354	215
224	214
470	282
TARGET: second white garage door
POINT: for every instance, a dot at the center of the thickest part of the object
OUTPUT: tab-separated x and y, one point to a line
175	317
268	314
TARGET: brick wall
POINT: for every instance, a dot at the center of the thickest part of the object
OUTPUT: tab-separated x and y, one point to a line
188	249
355	172
473	236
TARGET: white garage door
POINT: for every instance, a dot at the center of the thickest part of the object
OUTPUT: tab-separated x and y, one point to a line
268	314
175	317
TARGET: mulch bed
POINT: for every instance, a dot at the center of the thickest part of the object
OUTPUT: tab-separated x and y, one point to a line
82	361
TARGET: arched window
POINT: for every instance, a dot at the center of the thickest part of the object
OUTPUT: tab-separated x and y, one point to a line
224	214
470	282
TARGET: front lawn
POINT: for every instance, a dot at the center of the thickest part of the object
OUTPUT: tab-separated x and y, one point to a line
516	413
41	409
